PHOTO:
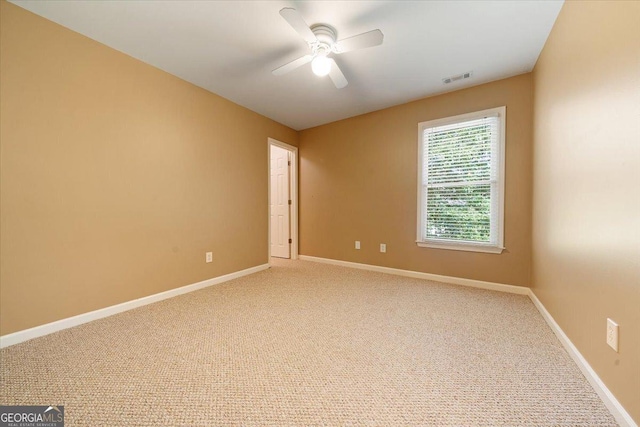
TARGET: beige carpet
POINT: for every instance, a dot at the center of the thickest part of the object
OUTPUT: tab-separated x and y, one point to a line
306	344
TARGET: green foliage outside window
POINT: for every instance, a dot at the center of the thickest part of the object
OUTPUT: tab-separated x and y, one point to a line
458	198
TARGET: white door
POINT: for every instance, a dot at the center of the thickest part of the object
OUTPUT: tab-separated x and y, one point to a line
280	230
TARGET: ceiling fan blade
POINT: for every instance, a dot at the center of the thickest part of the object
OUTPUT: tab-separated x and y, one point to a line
292	65
295	20
336	75
368	39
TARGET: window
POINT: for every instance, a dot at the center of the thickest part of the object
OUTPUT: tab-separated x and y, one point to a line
461	182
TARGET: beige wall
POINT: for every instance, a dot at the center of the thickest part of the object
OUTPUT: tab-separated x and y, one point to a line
358	181
117	177
586	217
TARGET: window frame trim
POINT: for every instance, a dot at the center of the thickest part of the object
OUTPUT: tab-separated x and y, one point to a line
497	248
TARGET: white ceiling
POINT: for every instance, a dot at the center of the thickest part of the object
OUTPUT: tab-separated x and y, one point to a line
230	47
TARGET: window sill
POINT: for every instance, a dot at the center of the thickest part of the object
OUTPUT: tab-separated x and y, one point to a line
469	247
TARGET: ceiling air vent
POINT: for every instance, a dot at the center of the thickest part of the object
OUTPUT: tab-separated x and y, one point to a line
456	78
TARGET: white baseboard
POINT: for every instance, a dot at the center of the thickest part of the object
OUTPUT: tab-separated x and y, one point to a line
617	410
38	331
521	290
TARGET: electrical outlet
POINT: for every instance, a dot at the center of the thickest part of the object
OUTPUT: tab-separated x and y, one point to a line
357	244
383	247
612	334
209	257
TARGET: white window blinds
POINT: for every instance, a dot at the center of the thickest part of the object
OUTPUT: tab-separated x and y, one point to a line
461	180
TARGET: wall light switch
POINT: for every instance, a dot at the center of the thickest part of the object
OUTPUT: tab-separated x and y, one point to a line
612	334
383	247
357	244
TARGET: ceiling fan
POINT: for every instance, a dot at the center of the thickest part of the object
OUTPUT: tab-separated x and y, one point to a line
321	39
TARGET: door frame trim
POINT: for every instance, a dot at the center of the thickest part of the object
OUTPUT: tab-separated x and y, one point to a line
293	192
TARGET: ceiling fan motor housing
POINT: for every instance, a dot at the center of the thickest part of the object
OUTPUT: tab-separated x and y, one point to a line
326	36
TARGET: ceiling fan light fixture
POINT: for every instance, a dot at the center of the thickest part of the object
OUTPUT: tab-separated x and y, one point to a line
322	40
321	65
